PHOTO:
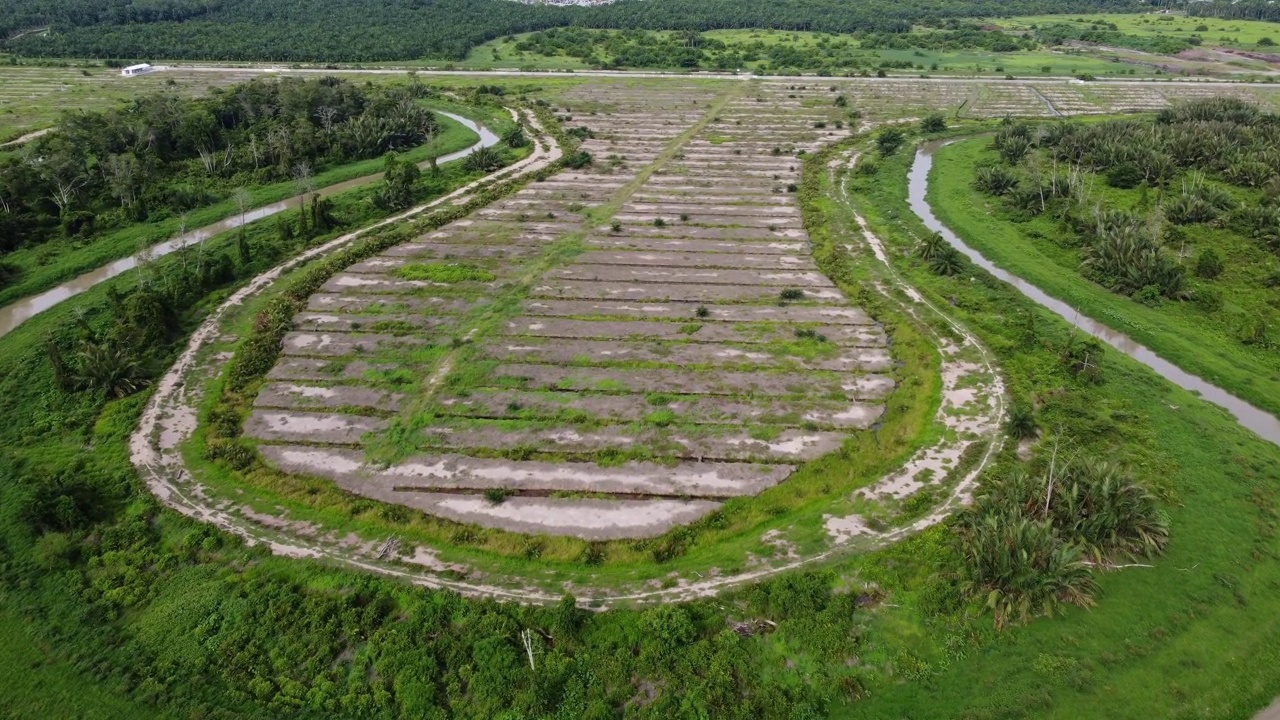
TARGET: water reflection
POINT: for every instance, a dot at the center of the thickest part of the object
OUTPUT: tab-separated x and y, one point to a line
1262	423
17	313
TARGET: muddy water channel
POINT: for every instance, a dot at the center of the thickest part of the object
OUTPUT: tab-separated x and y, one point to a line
1264	424
17	313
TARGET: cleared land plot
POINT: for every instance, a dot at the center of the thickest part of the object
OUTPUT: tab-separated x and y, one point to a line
682	323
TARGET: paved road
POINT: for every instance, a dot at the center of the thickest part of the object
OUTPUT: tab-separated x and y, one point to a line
512	72
1271	713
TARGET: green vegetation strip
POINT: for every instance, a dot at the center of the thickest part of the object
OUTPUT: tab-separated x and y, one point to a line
1163	641
1180	332
37	266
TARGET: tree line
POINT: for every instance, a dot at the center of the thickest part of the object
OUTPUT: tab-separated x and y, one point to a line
163	155
384	30
690	48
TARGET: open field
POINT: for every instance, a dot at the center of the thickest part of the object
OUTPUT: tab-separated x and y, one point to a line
651	192
1234	34
32	96
1228	49
601	337
529	403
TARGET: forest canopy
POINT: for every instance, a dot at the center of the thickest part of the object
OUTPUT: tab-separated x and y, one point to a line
384	30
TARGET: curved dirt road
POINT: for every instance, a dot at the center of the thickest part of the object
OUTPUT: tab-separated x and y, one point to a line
18	312
972	408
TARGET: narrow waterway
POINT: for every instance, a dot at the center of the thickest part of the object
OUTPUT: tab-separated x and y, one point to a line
14	315
1264	424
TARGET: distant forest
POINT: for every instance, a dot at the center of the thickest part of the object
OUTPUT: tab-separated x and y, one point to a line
383	30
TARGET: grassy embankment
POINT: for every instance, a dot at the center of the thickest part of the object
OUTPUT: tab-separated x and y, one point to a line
44	266
1193	636
1200	341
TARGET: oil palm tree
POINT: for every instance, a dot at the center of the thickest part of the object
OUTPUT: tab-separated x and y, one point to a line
929	247
948	261
108	369
1018	568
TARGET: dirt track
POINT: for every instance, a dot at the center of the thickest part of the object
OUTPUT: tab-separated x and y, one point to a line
170	418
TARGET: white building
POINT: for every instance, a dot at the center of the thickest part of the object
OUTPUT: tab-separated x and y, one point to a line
136	70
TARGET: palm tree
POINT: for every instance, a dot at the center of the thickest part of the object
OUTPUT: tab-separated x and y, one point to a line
1021	423
1107	512
1017	566
484	159
111	370
995	180
948	261
929	247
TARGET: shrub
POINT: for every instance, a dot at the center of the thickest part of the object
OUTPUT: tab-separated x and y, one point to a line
791	294
443	272
995	180
933	123
484	160
1149	295
1124	176
1208	264
1021	424
578	159
515	137
889	140
1209	299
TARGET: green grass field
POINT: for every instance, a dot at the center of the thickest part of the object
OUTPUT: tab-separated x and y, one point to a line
1199	342
502	53
39	684
1196	635
1236	34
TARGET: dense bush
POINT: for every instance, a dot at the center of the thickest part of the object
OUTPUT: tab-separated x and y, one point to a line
1027	537
165	154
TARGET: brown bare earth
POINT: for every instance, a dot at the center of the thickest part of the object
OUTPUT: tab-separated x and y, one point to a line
736	350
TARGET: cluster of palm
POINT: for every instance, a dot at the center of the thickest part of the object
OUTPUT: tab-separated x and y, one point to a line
1050	168
1030	540
1197	202
1126	253
371	134
941	257
1218	135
